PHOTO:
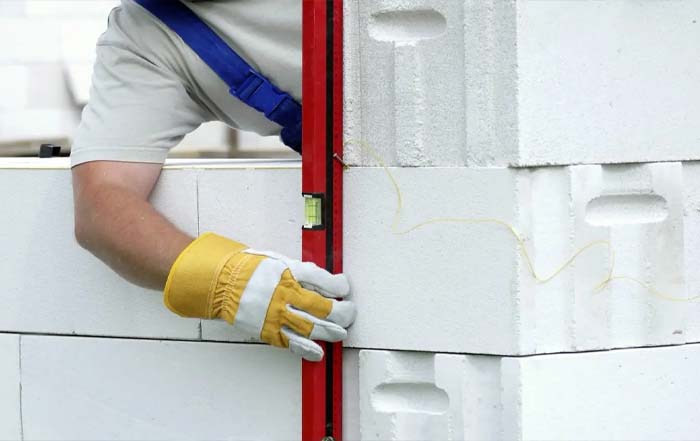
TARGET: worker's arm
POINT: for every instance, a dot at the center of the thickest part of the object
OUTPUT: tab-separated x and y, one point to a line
115	221
281	301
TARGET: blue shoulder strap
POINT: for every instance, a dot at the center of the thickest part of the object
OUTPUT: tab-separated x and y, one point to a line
244	82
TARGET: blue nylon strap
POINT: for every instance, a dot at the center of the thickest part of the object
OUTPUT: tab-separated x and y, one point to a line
244	82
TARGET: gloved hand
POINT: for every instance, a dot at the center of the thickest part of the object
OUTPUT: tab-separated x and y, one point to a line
281	301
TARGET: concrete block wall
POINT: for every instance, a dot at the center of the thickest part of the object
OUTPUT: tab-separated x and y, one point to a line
79	388
465	287
495	306
641	394
10	410
524	83
76	388
571	121
43	293
50	292
86	355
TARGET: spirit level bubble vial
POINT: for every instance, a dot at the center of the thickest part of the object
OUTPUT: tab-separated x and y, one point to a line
313	211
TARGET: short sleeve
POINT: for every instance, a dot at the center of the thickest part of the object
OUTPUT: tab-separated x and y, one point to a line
137	110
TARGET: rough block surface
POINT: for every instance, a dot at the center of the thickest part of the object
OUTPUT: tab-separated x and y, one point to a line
455	287
260	207
526	83
255	202
10	424
642	394
76	388
419	396
51	285
465	287
691	188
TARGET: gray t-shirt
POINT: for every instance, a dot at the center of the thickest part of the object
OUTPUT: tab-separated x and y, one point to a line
149	89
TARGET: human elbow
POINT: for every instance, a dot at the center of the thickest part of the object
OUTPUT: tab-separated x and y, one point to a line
85	231
84	235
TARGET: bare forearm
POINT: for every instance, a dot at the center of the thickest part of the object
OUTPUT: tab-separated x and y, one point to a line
123	229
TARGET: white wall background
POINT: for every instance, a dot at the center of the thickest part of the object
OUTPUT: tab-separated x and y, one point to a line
47	50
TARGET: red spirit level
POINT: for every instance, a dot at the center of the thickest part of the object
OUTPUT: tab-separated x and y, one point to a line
322	185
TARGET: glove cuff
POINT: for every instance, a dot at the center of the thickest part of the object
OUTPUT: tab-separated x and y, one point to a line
196	285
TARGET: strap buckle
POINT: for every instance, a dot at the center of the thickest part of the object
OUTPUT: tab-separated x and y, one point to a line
280	107
260	94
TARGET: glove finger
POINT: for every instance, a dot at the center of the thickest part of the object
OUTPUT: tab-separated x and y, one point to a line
340	313
343	313
322	329
305	348
311	276
297	323
314	278
311	302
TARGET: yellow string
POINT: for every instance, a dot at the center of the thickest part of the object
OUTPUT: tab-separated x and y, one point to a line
518	238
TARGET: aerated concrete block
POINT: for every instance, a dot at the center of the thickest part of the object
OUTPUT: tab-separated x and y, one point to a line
418	396
351	395
261	207
644	394
77	388
51	285
10	424
495	83
641	394
691	230
255	202
465	286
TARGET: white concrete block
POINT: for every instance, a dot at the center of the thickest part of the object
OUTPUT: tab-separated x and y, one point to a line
495	83
51	285
418	396
644	394
607	81
14	87
261	207
93	388
464	287
691	187
10	424
351	395
411	96
641	394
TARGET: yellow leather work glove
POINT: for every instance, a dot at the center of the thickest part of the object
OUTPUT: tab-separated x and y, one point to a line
281	301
